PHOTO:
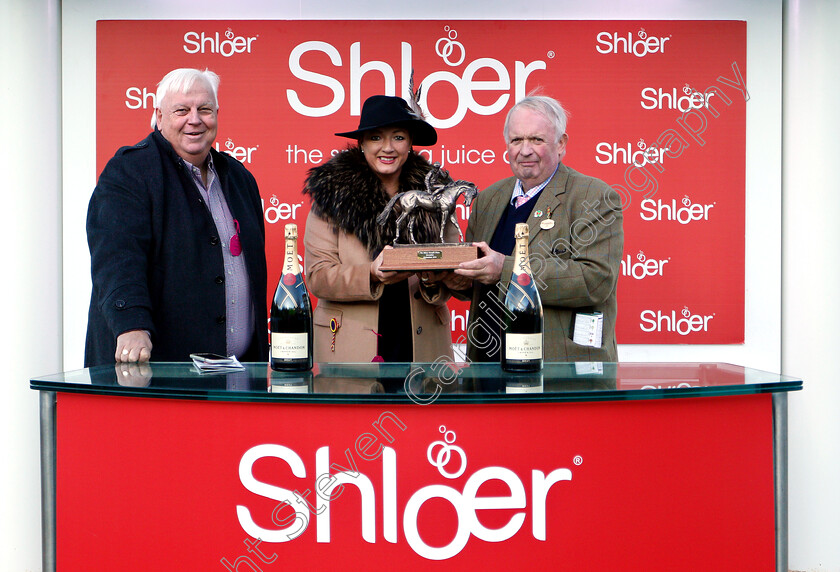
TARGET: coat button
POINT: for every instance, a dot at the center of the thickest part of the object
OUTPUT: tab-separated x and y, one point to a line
220	319
220	280
419	329
119	304
214	241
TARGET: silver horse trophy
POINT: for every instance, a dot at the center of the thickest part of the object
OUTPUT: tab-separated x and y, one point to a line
439	197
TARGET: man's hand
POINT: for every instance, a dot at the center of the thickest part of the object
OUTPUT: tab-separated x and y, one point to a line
487	269
133	374
133	346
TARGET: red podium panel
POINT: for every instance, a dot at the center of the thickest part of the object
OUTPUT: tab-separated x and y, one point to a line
659	484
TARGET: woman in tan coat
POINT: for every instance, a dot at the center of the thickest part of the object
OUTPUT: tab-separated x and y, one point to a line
364	314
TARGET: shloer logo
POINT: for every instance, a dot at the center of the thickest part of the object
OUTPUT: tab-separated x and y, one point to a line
465	502
397	82
279	211
613	43
653	98
683	324
612	154
201	43
139	98
241	154
643	267
658	210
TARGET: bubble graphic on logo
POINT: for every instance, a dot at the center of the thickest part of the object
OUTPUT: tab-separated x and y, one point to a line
229	34
685	312
641	256
445	47
687	89
642	33
686	201
229	144
274	200
641	144
441	459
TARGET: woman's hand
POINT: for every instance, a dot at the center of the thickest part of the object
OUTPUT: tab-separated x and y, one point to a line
430	278
378	275
447	278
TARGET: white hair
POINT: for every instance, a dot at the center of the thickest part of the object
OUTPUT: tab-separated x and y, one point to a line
546	106
181	80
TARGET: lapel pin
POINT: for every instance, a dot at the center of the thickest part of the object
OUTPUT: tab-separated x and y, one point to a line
547	223
334	325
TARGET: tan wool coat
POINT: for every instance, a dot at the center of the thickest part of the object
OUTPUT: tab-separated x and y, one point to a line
338	273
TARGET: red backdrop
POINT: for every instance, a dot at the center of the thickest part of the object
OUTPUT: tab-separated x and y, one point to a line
658	110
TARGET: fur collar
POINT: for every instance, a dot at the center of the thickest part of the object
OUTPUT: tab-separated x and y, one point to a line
349	195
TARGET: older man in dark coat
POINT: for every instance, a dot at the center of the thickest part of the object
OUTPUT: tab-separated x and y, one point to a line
177	240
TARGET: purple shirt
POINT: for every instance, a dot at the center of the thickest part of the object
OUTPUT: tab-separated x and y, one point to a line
240	313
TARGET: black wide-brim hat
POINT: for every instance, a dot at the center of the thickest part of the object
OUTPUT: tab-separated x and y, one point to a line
383	111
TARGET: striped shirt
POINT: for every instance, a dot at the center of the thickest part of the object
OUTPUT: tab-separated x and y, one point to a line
239	319
515	199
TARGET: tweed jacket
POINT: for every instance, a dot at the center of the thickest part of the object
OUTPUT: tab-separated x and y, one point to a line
340	241
575	263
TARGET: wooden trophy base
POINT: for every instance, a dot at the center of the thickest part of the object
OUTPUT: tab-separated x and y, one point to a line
435	256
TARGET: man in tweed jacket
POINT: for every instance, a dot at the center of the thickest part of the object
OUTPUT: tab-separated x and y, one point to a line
575	244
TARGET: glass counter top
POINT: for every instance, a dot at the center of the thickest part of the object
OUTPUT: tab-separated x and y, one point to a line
424	383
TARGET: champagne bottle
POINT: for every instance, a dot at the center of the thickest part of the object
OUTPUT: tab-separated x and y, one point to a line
291	314
523	316
290	382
